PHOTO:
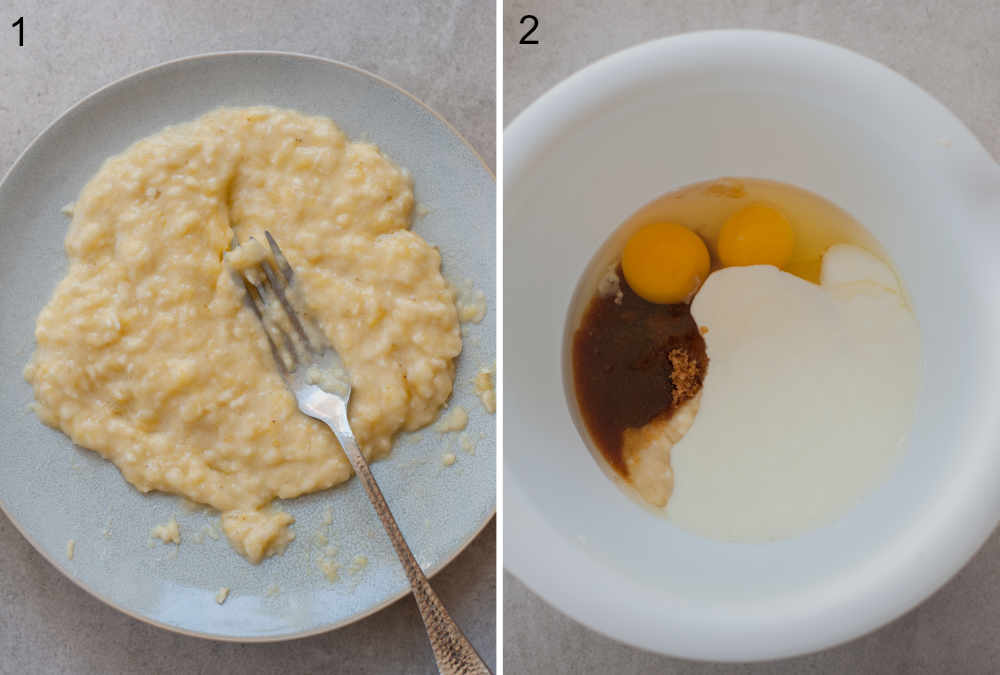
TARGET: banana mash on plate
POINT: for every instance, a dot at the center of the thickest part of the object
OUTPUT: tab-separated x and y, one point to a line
146	354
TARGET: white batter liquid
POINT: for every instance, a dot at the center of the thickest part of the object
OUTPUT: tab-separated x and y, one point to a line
808	395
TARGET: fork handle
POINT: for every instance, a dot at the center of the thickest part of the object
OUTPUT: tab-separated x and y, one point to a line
453	652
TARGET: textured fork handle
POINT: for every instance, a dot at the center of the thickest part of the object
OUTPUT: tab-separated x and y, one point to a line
454	654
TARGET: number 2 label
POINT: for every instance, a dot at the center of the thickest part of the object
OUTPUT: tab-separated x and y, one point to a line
533	20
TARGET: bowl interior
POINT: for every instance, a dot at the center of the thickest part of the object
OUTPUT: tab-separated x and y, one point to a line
675	112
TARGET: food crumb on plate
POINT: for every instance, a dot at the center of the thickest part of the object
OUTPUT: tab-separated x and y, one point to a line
207	530
448	458
222	594
486	388
471	303
453	420
358	564
327	563
258	534
272	591
330	569
169	532
467	443
70	548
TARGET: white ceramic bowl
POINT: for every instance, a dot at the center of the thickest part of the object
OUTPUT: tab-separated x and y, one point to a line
693	107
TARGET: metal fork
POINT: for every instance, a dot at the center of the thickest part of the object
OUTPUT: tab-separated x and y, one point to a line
299	347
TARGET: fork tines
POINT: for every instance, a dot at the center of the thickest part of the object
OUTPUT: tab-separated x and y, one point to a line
263	283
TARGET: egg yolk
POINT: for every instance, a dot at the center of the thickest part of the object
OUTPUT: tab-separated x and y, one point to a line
665	263
756	235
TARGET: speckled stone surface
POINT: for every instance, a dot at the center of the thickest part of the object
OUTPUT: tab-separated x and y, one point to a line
948	48
442	54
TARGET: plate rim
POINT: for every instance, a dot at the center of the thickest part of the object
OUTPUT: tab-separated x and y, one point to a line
325	628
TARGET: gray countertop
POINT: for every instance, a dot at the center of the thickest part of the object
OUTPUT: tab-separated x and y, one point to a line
951	49
444	54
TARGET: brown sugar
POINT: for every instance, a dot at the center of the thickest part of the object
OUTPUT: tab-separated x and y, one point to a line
686	375
634	361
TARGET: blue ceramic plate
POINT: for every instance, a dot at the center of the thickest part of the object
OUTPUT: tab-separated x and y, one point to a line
54	491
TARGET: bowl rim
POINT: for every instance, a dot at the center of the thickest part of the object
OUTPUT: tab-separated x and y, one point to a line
122	81
557	576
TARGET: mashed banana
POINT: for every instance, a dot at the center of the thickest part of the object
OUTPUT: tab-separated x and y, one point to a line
146	354
646	451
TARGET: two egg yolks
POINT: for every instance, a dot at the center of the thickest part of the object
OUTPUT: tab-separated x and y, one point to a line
666	263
